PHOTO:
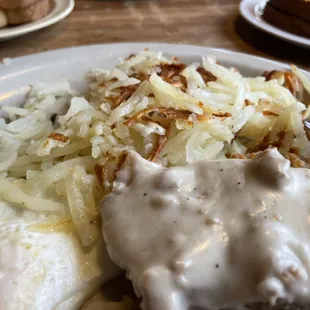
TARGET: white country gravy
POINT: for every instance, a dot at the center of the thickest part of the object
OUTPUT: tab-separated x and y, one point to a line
213	234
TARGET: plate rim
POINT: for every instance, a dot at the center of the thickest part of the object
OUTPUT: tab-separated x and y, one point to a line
17	75
40	24
249	15
55	53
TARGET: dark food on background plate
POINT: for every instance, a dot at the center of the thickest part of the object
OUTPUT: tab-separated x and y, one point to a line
290	15
17	12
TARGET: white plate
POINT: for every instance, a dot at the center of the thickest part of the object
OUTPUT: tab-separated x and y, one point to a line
251	9
62	8
74	63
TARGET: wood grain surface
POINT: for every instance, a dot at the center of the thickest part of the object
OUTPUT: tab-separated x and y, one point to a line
213	23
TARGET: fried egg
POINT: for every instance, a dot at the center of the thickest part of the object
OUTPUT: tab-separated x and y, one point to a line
47	270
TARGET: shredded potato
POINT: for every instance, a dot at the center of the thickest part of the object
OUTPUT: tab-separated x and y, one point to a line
13	194
56	173
82	207
61	151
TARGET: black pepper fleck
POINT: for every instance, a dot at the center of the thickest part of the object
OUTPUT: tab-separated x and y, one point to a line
195	188
257	246
187	198
239	183
265	216
221	169
144	194
217	266
170	186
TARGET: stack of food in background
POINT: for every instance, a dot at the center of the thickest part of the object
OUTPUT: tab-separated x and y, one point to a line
291	15
17	12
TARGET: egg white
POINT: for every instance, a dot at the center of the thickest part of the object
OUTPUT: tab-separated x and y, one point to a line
47	271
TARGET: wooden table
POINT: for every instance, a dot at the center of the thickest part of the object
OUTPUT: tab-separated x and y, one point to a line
214	23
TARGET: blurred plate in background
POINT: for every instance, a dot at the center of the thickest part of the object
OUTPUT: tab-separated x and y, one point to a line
61	9
252	11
